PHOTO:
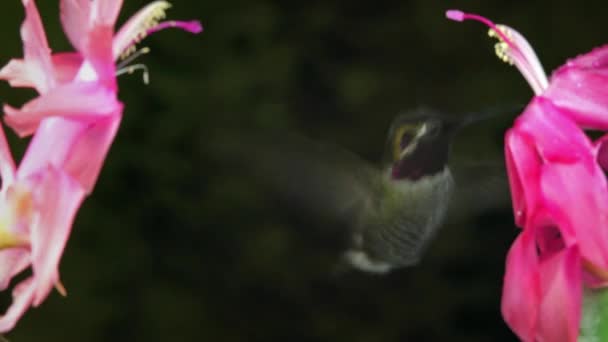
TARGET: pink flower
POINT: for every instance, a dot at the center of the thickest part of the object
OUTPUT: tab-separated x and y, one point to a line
74	121
559	190
36	214
81	130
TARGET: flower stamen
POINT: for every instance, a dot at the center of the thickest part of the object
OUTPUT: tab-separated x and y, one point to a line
512	48
132	68
124	68
502	47
145	22
132	57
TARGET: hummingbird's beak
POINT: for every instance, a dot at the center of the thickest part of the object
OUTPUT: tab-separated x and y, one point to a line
455	125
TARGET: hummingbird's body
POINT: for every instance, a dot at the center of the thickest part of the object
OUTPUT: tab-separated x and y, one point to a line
391	212
395	228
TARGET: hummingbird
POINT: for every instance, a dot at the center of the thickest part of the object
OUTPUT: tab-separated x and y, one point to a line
390	211
407	199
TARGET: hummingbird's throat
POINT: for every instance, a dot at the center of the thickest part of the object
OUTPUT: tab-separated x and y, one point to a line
426	159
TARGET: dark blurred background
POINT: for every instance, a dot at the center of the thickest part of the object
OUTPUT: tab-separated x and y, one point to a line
176	246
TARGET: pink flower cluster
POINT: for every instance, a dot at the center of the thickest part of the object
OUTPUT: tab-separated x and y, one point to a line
73	121
558	187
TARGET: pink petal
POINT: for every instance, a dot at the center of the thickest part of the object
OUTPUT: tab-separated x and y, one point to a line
66	66
75	16
90	150
23	295
12	262
523	168
601	152
98	55
560	309
52	144
106	12
58	198
550	237
579	196
557	137
596	59
579	87
78	100
7	165
18	73
37	53
78	148
521	288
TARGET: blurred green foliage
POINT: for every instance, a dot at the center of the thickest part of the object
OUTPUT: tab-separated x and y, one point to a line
174	246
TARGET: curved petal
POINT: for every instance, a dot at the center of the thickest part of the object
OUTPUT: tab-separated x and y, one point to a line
580	197
23	295
7	164
18	73
557	137
36	51
58	198
521	289
66	66
77	100
105	12
90	149
98	54
579	86
601	152
523	168
12	262
75	17
561	286
52	144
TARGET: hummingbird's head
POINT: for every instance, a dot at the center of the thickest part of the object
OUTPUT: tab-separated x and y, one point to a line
419	143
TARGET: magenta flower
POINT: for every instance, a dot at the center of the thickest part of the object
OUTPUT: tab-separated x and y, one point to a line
559	190
81	130
36	214
74	121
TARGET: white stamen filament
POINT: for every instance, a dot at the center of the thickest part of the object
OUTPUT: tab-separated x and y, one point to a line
512	48
132	68
519	52
123	67
132	57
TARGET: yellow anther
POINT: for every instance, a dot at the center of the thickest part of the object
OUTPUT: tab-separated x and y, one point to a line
501	48
153	17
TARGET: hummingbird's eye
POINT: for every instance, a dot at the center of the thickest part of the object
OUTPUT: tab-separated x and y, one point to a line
406	139
403	139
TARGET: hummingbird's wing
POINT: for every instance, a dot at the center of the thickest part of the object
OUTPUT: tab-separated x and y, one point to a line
480	187
321	179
